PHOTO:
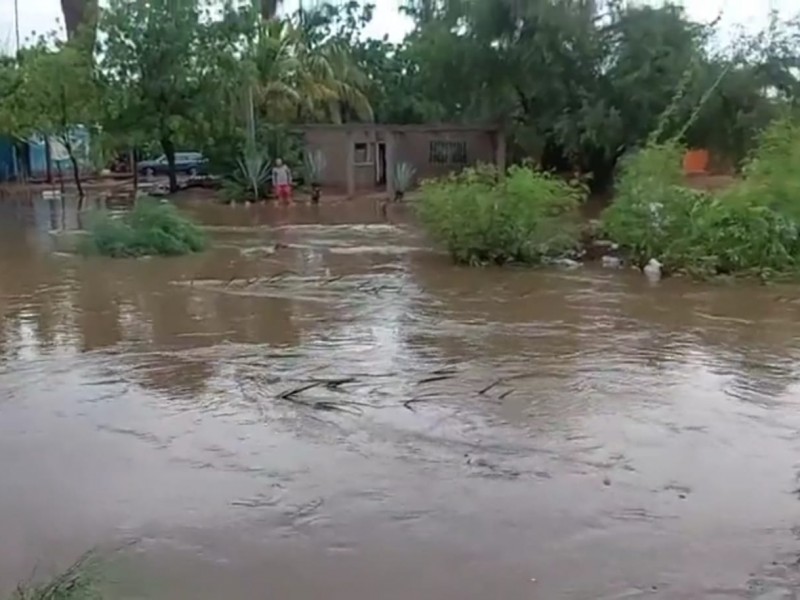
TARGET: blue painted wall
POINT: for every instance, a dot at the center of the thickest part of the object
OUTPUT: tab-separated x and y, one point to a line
8	159
9	164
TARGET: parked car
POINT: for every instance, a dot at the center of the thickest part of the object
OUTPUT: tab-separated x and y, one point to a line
191	163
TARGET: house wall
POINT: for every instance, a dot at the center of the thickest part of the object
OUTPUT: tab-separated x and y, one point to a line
411	146
333	144
8	159
79	137
414	147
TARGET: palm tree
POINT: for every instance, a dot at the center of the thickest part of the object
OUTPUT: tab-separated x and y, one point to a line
332	84
294	79
277	70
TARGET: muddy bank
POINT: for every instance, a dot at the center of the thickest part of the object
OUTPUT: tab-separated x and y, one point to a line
354	417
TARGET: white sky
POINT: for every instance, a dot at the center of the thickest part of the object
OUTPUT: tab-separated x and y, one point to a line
45	15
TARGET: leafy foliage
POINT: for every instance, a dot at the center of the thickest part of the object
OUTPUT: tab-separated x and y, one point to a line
524	217
753	228
580	83
651	208
576	83
50	91
151	228
164	62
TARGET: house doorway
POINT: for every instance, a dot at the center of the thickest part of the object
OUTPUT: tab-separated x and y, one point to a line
380	164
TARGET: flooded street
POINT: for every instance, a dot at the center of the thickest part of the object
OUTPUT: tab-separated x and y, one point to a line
351	417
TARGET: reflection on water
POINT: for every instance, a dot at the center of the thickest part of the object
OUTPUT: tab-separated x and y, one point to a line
323	405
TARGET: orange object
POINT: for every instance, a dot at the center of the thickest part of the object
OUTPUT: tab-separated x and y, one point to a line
695	162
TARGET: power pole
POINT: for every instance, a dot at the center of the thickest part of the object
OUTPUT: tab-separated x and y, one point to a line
16	23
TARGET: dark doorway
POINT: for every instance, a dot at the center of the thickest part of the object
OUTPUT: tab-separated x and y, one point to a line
380	164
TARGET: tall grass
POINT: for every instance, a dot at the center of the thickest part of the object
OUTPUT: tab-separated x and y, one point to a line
751	228
524	217
151	228
78	582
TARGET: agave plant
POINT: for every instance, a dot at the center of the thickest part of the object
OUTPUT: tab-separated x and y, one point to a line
254	170
403	179
315	163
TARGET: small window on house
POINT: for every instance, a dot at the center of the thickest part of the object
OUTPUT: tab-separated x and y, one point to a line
448	153
362	154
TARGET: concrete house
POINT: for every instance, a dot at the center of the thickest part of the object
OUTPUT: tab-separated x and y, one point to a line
360	157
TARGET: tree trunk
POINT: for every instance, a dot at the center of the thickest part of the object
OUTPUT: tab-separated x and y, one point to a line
48	161
135	173
77	14
60	179
268	8
76	172
169	152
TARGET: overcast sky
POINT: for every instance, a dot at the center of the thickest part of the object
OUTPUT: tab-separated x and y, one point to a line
45	15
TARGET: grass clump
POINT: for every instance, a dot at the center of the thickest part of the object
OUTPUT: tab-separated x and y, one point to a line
150	229
526	217
78	582
749	229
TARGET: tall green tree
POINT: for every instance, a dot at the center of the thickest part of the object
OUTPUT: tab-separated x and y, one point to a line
10	80
382	71
54	96
302	75
157	54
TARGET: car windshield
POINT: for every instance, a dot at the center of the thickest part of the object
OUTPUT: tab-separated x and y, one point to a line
162	159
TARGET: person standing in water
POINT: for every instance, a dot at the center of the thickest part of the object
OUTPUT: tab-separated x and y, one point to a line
282	181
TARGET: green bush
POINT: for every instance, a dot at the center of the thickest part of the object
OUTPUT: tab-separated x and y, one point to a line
151	228
527	216
652	212
751	228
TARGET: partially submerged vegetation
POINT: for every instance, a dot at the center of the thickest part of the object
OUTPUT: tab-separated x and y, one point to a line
150	229
527	216
752	228
78	582
576	83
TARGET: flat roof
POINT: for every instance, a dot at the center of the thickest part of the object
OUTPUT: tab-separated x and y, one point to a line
400	128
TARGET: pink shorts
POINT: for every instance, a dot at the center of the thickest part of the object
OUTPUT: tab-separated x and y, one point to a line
284	191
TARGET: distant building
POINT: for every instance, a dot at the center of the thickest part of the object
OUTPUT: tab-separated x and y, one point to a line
360	157
21	159
8	159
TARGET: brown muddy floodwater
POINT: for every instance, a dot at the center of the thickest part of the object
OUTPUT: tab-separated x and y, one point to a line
454	433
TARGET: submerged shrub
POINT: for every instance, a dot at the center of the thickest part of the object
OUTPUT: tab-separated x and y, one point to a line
151	228
524	217
651	211
751	228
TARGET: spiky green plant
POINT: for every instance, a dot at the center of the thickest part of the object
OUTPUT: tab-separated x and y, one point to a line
315	164
404	175
254	169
